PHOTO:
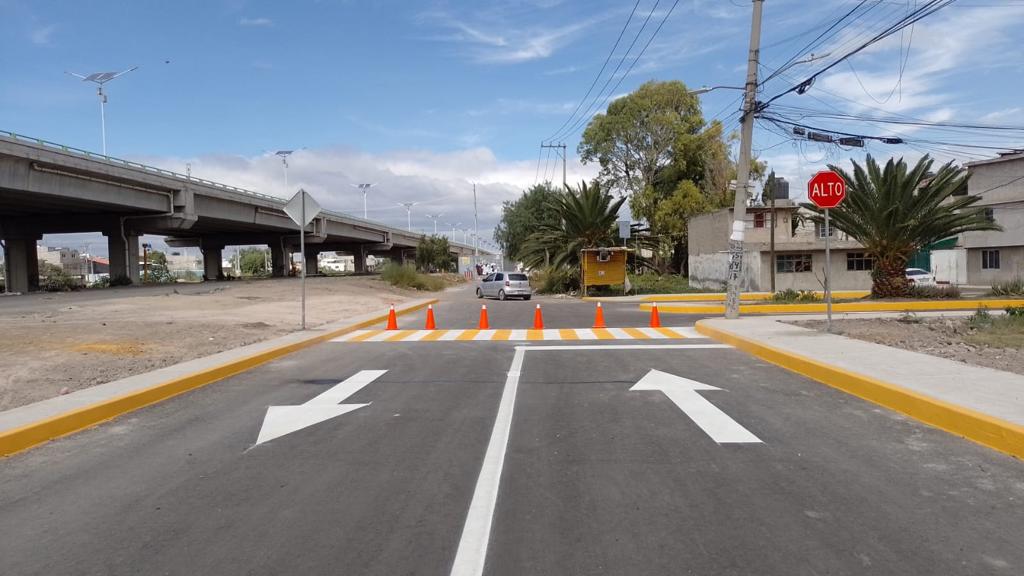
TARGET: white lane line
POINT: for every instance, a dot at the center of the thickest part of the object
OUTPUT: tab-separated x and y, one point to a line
450	335
378	337
653	333
586	334
472	552
349	336
620	334
551	334
518	335
484	335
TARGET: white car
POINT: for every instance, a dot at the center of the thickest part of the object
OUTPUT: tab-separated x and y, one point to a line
503	285
919	277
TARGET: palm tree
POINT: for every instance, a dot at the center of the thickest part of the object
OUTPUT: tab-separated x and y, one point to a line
586	219
894	212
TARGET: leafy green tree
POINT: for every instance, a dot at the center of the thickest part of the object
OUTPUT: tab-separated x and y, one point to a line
253	262
157	258
895	211
434	254
526	215
586	219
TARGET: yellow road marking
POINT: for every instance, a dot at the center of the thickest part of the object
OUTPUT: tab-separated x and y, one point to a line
467	335
501	335
603	334
636	333
534	334
399	335
568	334
368	334
670	333
434	335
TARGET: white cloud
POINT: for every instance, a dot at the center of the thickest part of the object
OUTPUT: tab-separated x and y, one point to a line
42	35
256	22
1013	114
440	182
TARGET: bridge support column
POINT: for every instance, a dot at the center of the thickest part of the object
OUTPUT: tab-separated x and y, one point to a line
212	256
21	264
124	260
359	259
279	257
312	264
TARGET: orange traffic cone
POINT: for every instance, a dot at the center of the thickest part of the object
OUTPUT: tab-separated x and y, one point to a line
538	319
599	317
392	319
655	320
430	318
483	317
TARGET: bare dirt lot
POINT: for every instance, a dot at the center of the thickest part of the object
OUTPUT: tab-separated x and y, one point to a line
998	344
79	339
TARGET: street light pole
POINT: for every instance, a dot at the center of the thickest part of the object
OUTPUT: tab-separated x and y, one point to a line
364	188
434	217
476	230
732	298
101	78
408	213
284	154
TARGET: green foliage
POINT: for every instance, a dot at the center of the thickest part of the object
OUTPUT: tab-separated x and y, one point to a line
554	280
526	215
654	283
895	211
1015	311
157	258
997	331
586	219
103	282
434	254
980	319
790	296
404	276
52	278
934	292
253	262
1014	287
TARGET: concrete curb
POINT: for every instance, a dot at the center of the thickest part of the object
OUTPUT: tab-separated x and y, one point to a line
712	296
26	436
986	430
907	306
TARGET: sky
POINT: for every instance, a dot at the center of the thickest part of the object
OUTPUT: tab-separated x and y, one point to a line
426	98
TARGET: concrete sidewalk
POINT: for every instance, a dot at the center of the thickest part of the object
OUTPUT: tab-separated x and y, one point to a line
982	404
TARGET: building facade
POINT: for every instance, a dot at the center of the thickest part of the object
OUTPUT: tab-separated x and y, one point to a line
799	255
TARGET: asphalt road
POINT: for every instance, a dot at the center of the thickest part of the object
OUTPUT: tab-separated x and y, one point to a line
592	477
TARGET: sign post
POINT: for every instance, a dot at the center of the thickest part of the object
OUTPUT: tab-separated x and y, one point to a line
827	190
302	209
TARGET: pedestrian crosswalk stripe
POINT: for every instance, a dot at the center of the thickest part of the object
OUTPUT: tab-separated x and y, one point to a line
552	334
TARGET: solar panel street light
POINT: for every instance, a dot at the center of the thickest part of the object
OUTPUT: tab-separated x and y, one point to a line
364	188
101	78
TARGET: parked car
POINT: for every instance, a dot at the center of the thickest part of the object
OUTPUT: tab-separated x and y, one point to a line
919	277
503	285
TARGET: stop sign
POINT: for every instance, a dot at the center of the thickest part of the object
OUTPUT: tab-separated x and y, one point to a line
826	189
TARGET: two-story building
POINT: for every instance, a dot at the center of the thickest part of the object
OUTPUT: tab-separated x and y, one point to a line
986	258
799	255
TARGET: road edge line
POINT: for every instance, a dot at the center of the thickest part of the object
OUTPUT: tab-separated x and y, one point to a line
33	434
851	307
977	427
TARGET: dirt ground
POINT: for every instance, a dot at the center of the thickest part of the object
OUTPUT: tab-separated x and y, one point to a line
946	337
69	341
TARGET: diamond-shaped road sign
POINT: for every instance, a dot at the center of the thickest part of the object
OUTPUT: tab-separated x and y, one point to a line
294	208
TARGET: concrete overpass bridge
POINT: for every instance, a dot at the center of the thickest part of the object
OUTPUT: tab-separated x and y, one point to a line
47	188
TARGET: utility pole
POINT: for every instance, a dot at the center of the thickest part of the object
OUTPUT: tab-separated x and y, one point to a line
476	230
556	147
732	298
770	187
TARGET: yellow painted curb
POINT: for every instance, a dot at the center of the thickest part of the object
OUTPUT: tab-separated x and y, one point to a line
986	430
744	296
819	307
29	435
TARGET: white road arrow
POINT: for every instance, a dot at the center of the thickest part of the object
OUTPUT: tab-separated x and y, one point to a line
281	420
683	392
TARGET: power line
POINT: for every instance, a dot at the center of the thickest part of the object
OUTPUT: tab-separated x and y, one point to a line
598	75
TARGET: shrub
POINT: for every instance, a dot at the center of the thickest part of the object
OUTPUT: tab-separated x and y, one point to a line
659	284
980	319
1013	287
1015	311
786	296
554	280
935	292
407	277
100	283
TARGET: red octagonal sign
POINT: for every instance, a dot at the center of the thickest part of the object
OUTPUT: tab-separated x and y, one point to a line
826	189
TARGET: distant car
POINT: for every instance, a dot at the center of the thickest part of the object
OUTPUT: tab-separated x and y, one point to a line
504	285
919	277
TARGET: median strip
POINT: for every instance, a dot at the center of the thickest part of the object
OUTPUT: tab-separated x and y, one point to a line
987	430
27	426
865	306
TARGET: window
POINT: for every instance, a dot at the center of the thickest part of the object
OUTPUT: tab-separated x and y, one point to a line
990	215
517	277
792	263
759	219
990	259
488	278
858	261
820	229
499	277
